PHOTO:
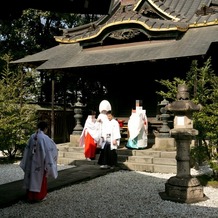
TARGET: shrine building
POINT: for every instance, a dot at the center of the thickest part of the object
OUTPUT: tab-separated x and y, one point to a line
137	43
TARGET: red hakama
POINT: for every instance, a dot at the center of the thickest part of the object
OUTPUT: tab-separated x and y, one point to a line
38	196
90	147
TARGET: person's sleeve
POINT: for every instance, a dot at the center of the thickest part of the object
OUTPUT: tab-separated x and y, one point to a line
24	162
116	132
51	159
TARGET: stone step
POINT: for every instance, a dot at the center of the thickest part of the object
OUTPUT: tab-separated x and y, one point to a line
70	148
147	160
146	152
74	155
168	154
164	161
165	169
124	158
136	166
140	159
148	167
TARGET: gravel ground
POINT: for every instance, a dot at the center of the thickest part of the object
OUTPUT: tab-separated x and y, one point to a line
13	172
122	194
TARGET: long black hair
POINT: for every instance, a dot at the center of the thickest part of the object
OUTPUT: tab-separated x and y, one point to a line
42	125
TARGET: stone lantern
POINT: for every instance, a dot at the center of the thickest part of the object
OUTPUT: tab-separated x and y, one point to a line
164	131
183	187
163	140
78	115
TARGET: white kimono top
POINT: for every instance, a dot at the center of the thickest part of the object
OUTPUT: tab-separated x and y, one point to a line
137	122
40	156
92	127
113	129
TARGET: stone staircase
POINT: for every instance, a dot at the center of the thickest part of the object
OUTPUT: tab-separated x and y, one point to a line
146	160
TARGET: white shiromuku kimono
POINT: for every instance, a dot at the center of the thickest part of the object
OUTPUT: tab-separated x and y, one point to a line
102	126
40	156
104	106
137	127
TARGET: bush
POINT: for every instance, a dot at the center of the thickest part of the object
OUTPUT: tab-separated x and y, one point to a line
17	117
203	90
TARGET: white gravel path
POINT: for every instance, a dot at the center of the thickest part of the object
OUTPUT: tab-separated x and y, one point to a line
13	172
122	194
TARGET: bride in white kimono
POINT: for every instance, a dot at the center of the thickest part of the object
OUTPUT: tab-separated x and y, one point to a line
138	129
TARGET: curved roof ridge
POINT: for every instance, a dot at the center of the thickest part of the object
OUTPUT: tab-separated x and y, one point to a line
165	10
146	18
178	9
147	24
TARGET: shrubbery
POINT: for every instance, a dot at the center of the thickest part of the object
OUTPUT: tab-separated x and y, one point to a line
17	117
203	87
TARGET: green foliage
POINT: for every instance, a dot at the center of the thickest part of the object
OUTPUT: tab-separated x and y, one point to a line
34	31
17	117
203	86
202	82
207	180
171	88
199	154
214	166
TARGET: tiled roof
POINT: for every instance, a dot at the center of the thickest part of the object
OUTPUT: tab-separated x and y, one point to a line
194	43
181	32
155	17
